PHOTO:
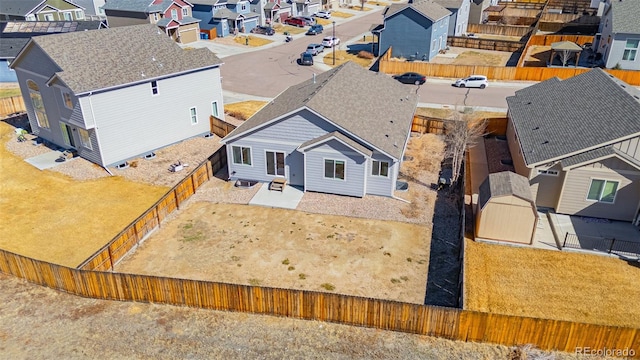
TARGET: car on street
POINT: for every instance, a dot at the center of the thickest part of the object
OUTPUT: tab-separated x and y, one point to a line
305	59
411	78
294	22
315	49
315	29
325	14
330	41
308	20
477	81
264	30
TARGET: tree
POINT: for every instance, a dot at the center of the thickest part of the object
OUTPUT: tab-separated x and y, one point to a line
463	131
362	2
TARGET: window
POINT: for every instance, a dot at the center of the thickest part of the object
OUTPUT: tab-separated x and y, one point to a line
67	100
603	190
67	16
155	17
48	17
631	50
194	115
31	17
275	163
38	105
380	168
548	172
214	108
243	7
241	155
79	14
185	12
85	139
334	169
154	87
174	13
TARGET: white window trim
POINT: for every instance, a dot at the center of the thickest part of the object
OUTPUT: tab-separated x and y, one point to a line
193	115
79	14
185	11
266	169
373	162
547	172
214	105
176	12
84	144
48	17
233	160
635	50
39	121
334	169
64	13
600	201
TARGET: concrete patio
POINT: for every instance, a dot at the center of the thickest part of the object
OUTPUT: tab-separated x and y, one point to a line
287	199
46	160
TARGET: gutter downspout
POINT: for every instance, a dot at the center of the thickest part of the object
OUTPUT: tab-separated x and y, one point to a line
93	115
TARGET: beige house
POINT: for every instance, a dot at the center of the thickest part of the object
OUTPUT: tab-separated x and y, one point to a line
577	141
506	209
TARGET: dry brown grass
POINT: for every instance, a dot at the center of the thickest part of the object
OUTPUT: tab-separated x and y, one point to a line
288	28
444	113
342	56
323	22
359	8
51	217
479	58
537	56
427	151
551	284
341	14
244	109
9	92
253	40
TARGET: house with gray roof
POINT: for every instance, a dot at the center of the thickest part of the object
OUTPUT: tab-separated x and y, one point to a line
137	92
174	17
341	132
224	17
415	30
459	18
41	10
619	43
578	142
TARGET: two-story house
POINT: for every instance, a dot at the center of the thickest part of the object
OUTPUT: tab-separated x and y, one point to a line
577	141
459	18
92	9
477	8
224	17
117	94
417	29
174	17
619	41
40	10
271	11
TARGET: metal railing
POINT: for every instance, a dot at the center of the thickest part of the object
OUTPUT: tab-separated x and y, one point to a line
602	244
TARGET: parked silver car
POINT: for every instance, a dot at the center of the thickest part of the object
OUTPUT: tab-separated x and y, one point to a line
477	81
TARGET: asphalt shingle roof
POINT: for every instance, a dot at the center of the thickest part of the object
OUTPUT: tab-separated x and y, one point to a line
336	134
427	8
371	106
18	7
626	16
556	118
128	5
588	156
450	4
502	184
125	55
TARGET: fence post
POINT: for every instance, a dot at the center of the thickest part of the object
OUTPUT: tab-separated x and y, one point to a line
564	244
175	196
613	240
110	258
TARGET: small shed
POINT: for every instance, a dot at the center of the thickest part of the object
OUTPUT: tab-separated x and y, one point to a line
506	209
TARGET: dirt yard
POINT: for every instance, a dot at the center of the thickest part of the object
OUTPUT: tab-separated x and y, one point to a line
291	249
40	323
537	56
551	284
464	56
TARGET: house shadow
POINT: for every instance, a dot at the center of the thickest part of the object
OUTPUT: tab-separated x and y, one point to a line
445	265
513	59
354	49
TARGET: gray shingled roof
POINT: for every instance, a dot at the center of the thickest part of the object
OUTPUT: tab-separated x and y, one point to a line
427	8
204	2
128	5
369	105
588	156
126	55
557	118
223	13
10	47
450	4
18	7
625	17
184	21
338	135
503	184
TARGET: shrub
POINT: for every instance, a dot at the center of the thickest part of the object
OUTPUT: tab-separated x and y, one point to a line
328	286
365	55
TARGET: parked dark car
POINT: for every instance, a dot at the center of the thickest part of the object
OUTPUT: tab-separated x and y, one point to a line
411	78
294	22
306	59
264	30
315	29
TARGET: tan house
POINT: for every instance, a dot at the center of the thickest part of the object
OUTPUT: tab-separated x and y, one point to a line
174	17
40	10
577	141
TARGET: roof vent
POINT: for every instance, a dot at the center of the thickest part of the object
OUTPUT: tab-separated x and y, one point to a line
386	135
636	96
142	74
528	103
536	128
391	121
545	142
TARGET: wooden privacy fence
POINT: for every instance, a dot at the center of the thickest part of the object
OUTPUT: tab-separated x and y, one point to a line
485	44
431	125
220	127
448	323
547	40
11	105
105	258
504	30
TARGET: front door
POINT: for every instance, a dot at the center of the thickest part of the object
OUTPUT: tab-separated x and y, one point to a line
67	135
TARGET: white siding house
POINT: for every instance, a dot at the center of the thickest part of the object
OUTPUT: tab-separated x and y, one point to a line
619	42
135	93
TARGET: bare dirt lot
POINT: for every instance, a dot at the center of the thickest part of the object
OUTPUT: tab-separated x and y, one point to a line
464	56
290	249
40	323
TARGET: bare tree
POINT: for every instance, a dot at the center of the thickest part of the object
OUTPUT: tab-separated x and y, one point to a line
463	131
362	2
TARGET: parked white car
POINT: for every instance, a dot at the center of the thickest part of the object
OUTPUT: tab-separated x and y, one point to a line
330	41
325	14
477	81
